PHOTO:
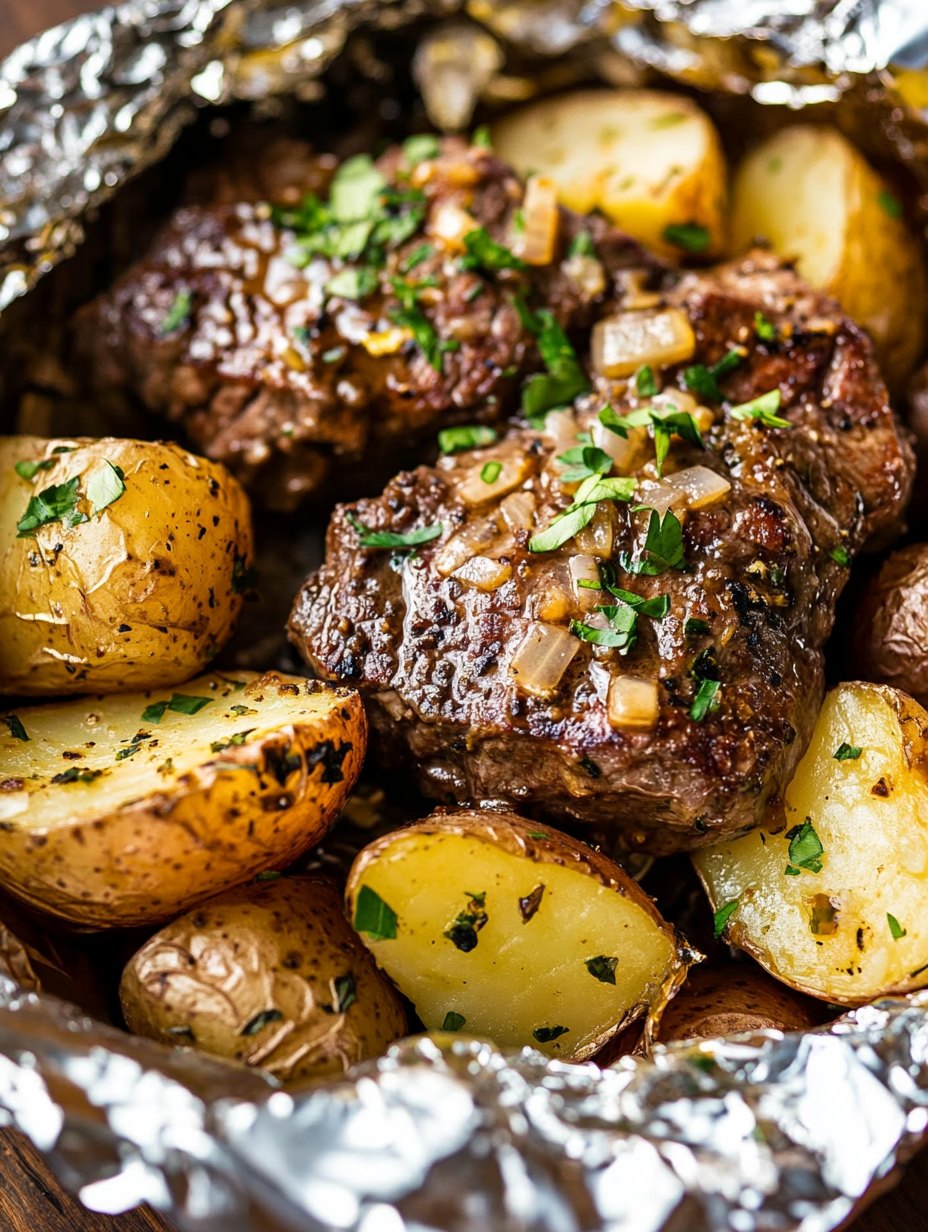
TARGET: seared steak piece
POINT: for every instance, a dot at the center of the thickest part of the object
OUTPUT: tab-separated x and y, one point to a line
602	666
295	341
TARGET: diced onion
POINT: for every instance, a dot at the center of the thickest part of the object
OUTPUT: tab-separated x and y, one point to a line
597	536
542	658
587	274
518	511
386	341
695	487
475	490
628	453
622	343
464	545
537	238
483	573
633	291
586	569
552	595
633	703
561	427
449	224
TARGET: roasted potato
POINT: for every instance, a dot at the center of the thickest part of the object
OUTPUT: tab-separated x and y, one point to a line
891	623
731	998
502	928
652	162
271	975
124	564
130	808
815	198
834	904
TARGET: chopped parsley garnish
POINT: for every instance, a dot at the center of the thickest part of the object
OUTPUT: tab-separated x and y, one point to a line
602	968
582	462
133	745
178	314
657	608
373	916
544	1035
354	283
74	774
420	253
244	576
705	381
763	410
705	701
646	383
484	253
473	436
481	137
57	503
393	539
847	752
664	424
420	148
423	331
805	849
621	632
491	471
890	205
345	993
104	486
15	724
895	927
29	470
722	916
582	245
580	513
840	555
453	1021
260	1021
179	703
765	330
565	379
235	741
356	188
691	236
695	627
663	546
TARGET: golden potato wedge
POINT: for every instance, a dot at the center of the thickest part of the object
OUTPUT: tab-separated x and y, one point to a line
834	905
652	162
733	997
503	928
124	564
815	198
271	975
130	808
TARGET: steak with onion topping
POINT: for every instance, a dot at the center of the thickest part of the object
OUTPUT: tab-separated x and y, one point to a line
294	343
655	673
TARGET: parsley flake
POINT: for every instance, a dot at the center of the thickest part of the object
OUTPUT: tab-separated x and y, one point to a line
706	700
373	916
179	703
723	915
453	1021
354	283
565	379
484	253
15	725
898	932
260	1021
544	1035
29	470
580	513
847	752
420	148
663	546
473	436
178	314
764	329
889	204
762	410
393	539
57	503
646	383
582	245
491	471
690	236
105	486
840	555
602	968
805	849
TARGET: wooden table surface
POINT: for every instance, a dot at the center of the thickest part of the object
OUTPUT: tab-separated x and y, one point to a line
30	1198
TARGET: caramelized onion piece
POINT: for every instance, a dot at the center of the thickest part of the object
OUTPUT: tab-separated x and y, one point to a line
483	573
586	569
537	239
622	343
459	549
507	473
695	487
628	453
633	703
596	538
449	224
587	274
542	658
518	511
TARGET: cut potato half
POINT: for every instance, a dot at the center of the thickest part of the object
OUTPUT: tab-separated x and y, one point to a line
816	200
128	809
652	162
504	929
835	904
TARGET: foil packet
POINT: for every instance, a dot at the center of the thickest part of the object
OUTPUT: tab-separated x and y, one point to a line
751	1133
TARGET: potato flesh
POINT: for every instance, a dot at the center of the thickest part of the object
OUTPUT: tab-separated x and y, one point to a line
97	729
648	160
523	974
875	862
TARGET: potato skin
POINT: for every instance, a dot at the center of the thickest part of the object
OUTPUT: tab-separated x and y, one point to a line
731	998
891	624
141	594
190	835
257	975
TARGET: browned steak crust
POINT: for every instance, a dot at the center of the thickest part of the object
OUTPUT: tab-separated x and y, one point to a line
288	377
763	568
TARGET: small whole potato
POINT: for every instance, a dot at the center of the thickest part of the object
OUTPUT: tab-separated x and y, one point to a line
891	627
124	564
271	975
731	998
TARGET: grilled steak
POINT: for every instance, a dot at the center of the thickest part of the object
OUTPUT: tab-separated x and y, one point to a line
289	341
604	666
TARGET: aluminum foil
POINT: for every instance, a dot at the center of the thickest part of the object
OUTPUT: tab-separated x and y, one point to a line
760	1133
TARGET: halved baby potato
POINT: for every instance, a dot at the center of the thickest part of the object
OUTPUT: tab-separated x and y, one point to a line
502	928
652	162
817	201
130	808
835	904
123	562
271	975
